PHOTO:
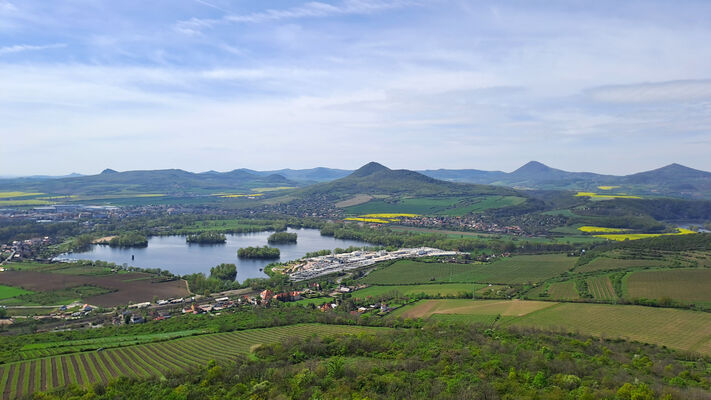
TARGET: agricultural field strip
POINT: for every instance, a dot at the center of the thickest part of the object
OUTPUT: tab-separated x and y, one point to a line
113	365
38	350
601	288
25	374
563	290
151	359
686	285
101	367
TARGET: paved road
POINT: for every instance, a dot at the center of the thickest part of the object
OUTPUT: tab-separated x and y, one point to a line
9	258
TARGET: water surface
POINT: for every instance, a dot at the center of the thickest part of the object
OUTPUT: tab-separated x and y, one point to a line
177	256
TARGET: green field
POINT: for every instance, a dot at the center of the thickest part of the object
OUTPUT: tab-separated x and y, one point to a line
7	292
443	290
517	269
155	359
563	291
55	297
609	264
674	328
316	300
600	287
684	285
504	308
61	268
678	329
456	205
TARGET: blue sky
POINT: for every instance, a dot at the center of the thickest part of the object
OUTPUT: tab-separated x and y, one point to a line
603	86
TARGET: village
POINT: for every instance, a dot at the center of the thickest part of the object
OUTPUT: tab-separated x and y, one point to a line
78	315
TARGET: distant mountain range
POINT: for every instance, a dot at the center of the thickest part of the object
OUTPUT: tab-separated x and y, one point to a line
673	180
670	181
166	181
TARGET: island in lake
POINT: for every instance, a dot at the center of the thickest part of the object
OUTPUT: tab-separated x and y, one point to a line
258	252
206	238
129	239
282	238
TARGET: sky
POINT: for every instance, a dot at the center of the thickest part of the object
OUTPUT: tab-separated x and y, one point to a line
601	86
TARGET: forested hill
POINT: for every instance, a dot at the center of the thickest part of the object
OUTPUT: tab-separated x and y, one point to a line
167	181
673	180
376	179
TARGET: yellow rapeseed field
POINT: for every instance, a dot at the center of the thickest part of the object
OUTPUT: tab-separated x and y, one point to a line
608	187
606	196
361	219
6	195
600	229
391	215
635	236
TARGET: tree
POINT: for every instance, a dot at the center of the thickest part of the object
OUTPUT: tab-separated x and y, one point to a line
225	272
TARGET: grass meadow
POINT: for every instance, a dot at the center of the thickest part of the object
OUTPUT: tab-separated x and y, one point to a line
517	269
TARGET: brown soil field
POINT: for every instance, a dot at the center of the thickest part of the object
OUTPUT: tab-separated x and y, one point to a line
355	200
125	287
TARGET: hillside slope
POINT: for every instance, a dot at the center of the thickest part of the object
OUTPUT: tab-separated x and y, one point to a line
376	179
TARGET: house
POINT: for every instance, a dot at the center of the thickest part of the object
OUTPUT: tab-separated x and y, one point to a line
137	319
193	309
266	294
288	296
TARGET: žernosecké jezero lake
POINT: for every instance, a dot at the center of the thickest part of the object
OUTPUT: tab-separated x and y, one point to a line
174	254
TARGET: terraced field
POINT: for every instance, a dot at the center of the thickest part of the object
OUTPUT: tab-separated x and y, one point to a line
601	288
518	269
563	291
686	285
154	359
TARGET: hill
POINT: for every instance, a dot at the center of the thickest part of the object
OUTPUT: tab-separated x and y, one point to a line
674	180
311	175
376	179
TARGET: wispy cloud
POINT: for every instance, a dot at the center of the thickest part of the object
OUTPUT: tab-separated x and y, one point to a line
211	5
27	47
308	10
688	90
470	87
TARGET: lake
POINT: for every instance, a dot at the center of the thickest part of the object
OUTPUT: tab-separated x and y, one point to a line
172	253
